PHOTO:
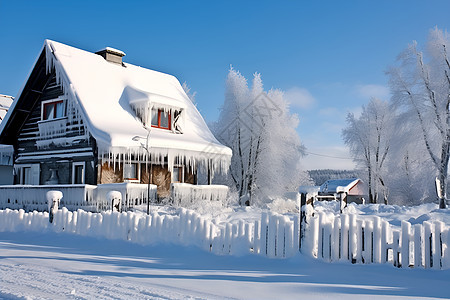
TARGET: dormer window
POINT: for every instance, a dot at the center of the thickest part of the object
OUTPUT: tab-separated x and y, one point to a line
53	109
161	119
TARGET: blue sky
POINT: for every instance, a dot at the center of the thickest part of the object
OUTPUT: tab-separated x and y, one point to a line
329	56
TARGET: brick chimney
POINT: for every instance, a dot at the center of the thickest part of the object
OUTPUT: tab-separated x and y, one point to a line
111	55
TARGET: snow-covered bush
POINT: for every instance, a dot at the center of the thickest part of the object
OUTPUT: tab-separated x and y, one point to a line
283	206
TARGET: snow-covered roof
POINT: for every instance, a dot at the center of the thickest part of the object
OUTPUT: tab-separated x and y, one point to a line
105	92
338	185
5	103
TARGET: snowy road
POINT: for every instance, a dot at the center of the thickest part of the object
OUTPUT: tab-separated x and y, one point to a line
62	266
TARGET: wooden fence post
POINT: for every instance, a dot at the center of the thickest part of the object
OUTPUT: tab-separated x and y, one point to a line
302	224
438	253
418	245
264	234
377	240
428	240
344	237
396	248
335	250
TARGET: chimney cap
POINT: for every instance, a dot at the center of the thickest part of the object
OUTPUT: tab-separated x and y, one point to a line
112	51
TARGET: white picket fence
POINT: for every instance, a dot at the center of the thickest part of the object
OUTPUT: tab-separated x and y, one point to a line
184	194
87	197
273	236
373	240
357	239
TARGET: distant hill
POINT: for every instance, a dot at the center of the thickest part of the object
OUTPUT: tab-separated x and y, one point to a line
320	176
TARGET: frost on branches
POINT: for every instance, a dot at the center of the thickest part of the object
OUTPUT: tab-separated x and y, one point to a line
369	138
259	129
420	86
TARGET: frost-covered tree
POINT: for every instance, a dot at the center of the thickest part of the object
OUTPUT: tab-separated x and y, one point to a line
187	89
259	129
409	170
369	138
420	85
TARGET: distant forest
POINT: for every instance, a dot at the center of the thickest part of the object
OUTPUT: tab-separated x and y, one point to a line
320	176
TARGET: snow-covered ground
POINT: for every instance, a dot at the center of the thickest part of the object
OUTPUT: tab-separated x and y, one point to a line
48	265
64	266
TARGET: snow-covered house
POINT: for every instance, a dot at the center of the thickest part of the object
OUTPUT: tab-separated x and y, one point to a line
352	189
90	118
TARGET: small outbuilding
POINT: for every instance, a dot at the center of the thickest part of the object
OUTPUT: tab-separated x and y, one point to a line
351	189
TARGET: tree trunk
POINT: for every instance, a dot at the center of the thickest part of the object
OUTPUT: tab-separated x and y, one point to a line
442	194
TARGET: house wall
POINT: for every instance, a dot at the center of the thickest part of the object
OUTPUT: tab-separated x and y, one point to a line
161	176
64	170
358	189
75	144
6	175
108	173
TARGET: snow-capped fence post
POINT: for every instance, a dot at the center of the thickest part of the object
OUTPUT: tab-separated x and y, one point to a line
418	255
377	240
352	242
272	236
359	241
336	243
445	238
344	237
115	199
306	206
264	234
406	233
396	248
257	237
53	199
302	219
342	201
428	241
367	237
384	241
438	251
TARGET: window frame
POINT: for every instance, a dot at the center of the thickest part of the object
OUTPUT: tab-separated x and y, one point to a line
34	169
136	168
169	116
180	174
53	102
83	172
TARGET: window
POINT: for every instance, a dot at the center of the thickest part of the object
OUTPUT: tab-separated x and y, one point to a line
53	109
28	174
130	172
177	174
161	119
78	173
